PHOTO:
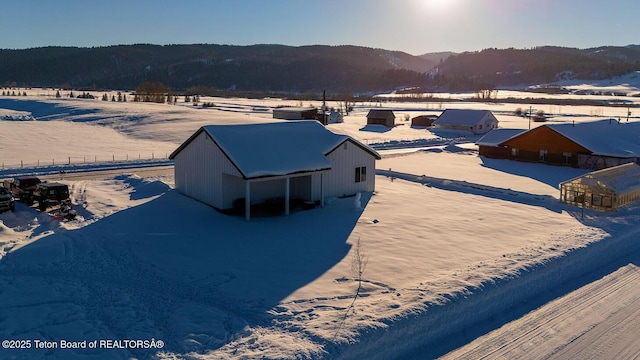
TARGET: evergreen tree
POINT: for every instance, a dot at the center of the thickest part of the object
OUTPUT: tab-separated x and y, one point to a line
57	93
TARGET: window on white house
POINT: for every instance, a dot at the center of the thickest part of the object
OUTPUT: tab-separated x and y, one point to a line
361	174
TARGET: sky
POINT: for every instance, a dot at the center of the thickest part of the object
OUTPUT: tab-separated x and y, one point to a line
412	26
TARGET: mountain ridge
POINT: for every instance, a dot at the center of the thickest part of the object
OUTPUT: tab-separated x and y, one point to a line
344	69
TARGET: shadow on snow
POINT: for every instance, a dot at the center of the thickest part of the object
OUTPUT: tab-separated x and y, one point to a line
541	172
546	201
172	269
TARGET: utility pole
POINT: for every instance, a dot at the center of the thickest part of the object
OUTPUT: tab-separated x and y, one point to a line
628	113
324	107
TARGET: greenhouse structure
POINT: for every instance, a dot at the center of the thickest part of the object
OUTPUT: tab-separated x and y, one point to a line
603	190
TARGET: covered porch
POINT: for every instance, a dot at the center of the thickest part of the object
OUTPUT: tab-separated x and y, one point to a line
275	194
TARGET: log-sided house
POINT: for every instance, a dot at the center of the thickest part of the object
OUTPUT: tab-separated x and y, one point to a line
593	145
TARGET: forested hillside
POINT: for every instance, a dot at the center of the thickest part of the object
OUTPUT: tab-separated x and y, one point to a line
304	69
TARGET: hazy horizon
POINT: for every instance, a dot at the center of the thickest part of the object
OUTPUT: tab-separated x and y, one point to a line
413	26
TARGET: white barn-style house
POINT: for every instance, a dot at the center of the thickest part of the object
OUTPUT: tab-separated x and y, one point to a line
221	165
475	121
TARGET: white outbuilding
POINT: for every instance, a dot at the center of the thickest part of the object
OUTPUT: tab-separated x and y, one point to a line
227	166
474	121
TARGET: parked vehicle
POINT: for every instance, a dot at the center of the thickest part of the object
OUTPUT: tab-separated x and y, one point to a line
23	187
6	200
65	212
47	194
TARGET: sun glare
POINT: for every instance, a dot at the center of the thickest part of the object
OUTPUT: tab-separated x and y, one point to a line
438	4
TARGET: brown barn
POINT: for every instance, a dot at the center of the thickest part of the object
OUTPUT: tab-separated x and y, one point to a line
381	117
593	145
423	120
295	113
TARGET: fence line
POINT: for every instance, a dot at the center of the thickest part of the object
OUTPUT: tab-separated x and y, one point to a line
78	160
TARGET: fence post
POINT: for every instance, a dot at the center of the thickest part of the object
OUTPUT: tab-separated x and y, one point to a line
152	156
95	158
113	157
53	161
69	160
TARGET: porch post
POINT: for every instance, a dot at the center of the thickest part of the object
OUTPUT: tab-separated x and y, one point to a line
321	189
286	196
247	200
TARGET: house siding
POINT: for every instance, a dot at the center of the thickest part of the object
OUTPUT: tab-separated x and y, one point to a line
204	171
529	144
199	168
381	117
461	121
340	181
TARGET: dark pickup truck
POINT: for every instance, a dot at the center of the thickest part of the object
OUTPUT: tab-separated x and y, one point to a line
23	187
47	194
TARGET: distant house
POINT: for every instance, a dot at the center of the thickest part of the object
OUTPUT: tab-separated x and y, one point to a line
229	165
295	113
593	145
423	120
381	117
474	121
603	190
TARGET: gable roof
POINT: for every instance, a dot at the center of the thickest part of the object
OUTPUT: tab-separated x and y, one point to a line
605	137
276	148
496	137
465	117
380	114
621	178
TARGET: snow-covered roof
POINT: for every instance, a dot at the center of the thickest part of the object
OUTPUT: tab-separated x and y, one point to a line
277	148
605	137
497	136
296	109
380	114
621	179
467	117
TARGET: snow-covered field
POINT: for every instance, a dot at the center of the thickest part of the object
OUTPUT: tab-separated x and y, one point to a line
465	257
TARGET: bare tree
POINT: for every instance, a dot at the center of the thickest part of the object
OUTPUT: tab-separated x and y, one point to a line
359	262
